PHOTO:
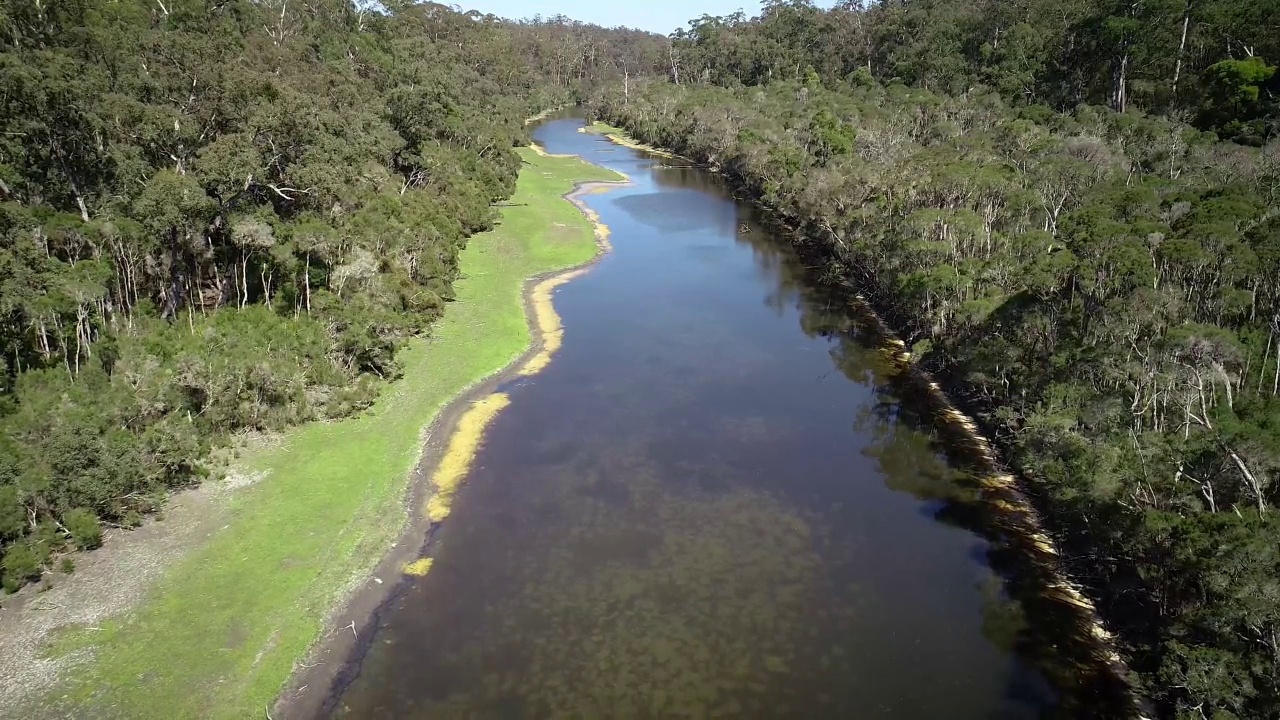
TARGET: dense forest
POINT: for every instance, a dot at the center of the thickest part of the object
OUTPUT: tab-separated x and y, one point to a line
1072	213
220	216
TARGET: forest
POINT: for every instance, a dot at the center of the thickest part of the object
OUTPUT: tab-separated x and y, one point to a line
1071	212
224	216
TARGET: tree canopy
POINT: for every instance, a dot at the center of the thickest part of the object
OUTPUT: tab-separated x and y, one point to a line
226	215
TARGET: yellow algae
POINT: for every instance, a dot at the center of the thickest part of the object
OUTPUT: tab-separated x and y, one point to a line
545	317
990	482
462	449
1071	597
599	228
597	188
1062	589
1004	505
419	567
1042	542
547	321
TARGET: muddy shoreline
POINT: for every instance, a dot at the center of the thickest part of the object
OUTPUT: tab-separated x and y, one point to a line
335	659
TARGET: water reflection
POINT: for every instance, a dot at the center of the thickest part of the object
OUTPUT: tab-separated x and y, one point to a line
1026	613
672	212
712	503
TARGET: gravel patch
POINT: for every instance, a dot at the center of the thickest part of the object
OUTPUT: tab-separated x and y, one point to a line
107	582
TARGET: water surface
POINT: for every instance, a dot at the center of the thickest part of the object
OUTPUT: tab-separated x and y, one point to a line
710	504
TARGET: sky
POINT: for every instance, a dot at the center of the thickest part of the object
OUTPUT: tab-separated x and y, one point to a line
660	16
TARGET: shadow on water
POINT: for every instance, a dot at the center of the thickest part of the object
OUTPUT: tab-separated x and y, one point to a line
722	499
1038	620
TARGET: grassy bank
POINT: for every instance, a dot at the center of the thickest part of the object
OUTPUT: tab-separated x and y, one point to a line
623	138
221	632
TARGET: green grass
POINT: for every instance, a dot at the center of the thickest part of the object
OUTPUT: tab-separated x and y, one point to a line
600	128
218	636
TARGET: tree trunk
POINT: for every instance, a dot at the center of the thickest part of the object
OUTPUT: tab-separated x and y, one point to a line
1275	383
1120	93
177	280
1182	46
1250	479
244	279
306	282
62	343
75	189
1262	369
79	341
217	275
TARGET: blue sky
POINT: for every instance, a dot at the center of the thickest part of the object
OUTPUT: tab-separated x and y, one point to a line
661	16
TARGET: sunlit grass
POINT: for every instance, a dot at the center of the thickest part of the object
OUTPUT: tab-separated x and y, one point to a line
219	635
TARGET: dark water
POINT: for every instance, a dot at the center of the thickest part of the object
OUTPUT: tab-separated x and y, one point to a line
711	504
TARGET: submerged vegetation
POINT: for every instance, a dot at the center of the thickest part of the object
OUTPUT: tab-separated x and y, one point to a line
1071	214
462	450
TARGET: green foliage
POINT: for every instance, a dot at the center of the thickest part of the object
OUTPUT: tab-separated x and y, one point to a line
1202	59
230	218
334	497
1237	81
1103	285
1233	91
83	526
831	136
861	77
21	563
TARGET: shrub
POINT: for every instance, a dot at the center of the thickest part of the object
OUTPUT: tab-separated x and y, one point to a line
84	528
21	563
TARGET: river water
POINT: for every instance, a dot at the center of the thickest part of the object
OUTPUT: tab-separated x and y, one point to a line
710	504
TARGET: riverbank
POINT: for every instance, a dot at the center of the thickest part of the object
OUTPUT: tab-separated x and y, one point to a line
451	446
622	137
1094	665
223	628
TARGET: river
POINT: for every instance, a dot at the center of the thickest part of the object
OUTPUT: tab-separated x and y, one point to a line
713	503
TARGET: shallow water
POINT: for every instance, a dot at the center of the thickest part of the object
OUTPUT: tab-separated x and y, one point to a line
710	504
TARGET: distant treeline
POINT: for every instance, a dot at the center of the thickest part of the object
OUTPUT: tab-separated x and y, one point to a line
1073	215
1208	62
